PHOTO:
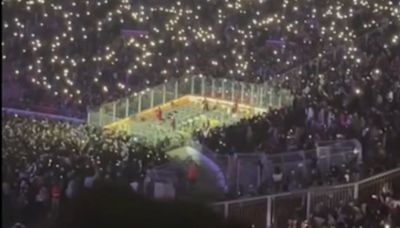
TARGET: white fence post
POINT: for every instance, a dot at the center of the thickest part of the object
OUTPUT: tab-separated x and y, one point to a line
89	119
202	86
164	93
192	85
127	107
176	89
101	122
140	103
223	89
152	98
212	87
241	92
279	100
308	206
233	91
230	170
226	210
114	111
356	189
269	211
270	98
238	167
251	94
258	176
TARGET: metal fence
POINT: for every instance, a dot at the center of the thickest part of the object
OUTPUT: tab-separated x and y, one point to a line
263	95
243	174
225	162
41	115
275	210
254	169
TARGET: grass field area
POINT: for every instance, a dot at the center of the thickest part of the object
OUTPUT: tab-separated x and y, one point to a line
189	116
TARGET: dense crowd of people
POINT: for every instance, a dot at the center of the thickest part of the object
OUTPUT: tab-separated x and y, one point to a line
341	100
344	101
380	210
45	163
85	53
77	54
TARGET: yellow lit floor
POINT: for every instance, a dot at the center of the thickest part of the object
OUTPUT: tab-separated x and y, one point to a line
189	116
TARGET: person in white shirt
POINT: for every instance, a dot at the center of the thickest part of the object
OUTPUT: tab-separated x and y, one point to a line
310	115
277	177
71	188
135	186
88	182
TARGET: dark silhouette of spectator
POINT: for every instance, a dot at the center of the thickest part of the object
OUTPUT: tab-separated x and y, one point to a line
111	206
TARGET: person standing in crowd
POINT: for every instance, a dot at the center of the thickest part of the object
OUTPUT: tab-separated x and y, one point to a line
7	203
192	173
205	104
159	114
277	178
173	122
42	202
90	179
55	197
235	107
149	184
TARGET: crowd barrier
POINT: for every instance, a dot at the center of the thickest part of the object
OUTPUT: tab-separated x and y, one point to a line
275	210
245	172
262	96
41	115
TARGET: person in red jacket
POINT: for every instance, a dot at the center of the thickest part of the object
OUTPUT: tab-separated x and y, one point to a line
159	114
192	173
55	197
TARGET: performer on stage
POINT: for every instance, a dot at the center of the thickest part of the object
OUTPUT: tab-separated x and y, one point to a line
205	105
159	114
173	122
216	106
235	106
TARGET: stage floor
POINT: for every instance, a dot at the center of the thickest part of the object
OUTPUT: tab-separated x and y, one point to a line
189	116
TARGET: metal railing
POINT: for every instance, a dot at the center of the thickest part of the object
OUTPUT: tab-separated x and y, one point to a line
275	210
257	95
41	115
245	172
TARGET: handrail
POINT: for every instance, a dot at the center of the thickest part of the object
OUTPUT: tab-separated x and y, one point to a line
51	109
282	154
378	175
43	115
395	170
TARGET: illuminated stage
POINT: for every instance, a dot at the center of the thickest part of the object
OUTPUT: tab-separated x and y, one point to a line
189	115
183	99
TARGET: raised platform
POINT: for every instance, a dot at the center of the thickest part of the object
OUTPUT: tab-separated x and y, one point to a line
182	98
189	116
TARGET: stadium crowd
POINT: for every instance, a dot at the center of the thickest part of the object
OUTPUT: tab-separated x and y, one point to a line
341	101
86	53
380	210
75	54
45	163
344	101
